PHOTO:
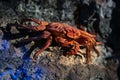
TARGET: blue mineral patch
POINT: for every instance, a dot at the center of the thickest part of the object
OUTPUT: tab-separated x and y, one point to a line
4	44
23	73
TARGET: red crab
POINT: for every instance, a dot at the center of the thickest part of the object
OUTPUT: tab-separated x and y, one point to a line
65	35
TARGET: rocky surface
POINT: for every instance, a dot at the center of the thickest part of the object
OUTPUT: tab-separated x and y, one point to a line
100	17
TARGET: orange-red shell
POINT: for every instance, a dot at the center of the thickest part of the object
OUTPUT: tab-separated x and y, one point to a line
63	29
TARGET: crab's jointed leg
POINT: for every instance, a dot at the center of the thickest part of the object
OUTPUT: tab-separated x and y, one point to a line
88	54
96	51
39	21
46	35
65	43
91	46
46	45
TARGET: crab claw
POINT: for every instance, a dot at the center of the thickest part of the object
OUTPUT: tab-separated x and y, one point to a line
39	21
41	25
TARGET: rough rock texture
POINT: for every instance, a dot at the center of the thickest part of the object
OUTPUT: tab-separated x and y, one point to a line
100	17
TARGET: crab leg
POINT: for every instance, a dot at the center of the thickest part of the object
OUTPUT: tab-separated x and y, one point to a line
34	28
89	47
65	43
88	54
75	48
46	45
45	35
41	24
97	52
39	21
30	39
